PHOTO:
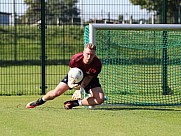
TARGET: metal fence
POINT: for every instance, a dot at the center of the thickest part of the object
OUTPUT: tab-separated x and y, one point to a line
38	38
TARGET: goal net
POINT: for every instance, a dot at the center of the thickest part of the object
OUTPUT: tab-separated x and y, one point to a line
141	63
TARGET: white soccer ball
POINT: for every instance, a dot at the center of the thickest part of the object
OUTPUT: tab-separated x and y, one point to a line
75	74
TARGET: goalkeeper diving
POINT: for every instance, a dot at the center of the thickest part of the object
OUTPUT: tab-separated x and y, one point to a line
90	65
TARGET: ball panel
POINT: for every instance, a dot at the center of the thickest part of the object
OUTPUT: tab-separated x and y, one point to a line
76	74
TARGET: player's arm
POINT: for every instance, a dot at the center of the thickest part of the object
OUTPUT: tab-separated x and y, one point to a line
86	81
80	89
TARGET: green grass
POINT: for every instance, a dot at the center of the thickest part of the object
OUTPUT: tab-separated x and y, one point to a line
51	119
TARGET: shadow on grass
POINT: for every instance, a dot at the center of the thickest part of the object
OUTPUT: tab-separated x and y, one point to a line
178	108
111	108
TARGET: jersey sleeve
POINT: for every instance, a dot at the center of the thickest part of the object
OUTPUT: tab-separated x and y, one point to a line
71	63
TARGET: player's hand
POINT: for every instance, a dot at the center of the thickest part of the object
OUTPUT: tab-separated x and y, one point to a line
78	94
77	87
71	83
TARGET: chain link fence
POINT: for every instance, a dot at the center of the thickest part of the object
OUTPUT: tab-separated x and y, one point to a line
37	38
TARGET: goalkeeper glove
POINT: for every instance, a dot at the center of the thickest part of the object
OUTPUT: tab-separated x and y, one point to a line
72	85
71	82
77	95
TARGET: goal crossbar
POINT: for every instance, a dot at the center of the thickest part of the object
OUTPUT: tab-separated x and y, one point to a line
94	27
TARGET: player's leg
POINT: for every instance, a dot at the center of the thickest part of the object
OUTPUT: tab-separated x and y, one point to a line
96	97
60	89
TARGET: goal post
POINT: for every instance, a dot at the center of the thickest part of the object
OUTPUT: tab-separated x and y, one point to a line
141	62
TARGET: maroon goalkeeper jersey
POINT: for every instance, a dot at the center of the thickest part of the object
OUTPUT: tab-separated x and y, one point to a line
93	69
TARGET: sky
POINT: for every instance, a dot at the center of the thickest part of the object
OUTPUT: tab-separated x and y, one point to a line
98	10
93	9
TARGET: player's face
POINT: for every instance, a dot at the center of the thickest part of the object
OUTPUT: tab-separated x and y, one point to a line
88	55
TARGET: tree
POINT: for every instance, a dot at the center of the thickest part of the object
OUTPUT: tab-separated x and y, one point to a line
32	14
64	10
156	5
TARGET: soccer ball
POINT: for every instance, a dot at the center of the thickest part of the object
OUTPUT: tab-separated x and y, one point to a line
75	74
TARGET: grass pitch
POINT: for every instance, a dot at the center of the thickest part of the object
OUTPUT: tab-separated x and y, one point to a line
51	119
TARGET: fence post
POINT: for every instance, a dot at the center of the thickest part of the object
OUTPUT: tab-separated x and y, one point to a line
164	55
14	23
43	46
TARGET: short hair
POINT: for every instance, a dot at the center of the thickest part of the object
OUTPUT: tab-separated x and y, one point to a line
90	46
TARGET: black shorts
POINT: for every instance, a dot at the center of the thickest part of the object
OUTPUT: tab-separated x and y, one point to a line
94	83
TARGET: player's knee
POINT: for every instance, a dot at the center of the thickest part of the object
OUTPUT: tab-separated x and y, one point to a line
100	100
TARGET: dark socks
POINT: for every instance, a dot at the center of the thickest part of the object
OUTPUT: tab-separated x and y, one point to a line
40	101
75	103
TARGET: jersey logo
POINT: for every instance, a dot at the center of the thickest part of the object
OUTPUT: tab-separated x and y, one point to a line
91	71
88	72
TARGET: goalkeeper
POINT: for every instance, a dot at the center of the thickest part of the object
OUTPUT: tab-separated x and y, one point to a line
91	66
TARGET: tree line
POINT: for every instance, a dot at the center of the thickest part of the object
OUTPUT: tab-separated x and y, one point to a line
57	11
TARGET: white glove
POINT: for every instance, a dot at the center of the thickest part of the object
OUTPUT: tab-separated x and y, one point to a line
77	95
71	83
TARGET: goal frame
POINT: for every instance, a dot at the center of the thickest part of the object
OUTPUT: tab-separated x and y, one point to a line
93	27
161	27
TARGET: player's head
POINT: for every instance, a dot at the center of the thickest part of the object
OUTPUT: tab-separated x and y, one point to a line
89	53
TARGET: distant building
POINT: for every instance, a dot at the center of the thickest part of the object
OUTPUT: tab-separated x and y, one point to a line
72	21
106	21
5	18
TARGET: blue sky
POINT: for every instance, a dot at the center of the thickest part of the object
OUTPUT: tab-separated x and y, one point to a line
91	8
96	9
